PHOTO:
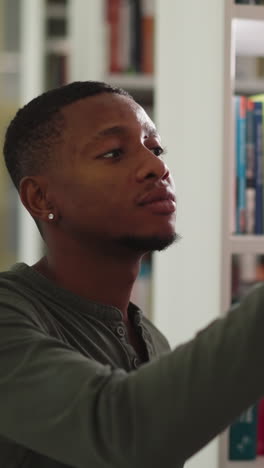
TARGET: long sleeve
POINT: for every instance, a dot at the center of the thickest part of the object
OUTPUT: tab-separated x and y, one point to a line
60	404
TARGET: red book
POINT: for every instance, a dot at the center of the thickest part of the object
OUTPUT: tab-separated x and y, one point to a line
147	28
260	428
113	17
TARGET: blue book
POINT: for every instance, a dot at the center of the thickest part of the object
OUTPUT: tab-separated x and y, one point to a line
241	102
258	167
243	436
250	170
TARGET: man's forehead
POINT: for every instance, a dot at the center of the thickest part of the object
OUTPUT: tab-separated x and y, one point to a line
99	104
108	114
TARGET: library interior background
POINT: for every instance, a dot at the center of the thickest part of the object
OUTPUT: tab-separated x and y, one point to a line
132	60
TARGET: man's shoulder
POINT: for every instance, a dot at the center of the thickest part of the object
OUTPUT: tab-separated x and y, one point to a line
11	283
16	299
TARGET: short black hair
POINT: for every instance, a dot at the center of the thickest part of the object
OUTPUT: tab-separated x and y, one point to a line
32	135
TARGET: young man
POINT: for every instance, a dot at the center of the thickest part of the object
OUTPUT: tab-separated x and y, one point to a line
85	379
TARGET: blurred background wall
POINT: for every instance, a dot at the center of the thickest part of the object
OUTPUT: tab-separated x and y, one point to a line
9	99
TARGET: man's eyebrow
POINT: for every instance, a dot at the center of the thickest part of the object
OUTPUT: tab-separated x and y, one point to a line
109	131
121	130
118	130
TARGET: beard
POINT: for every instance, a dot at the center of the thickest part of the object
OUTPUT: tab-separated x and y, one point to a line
148	244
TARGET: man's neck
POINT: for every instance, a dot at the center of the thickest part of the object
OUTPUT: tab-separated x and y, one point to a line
106	280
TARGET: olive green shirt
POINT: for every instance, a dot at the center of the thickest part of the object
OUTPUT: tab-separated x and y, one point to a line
73	391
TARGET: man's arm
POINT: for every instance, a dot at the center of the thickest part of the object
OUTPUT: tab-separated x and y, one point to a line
60	404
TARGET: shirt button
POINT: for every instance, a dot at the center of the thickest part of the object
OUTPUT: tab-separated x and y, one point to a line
137	320
120	331
136	362
146	334
150	350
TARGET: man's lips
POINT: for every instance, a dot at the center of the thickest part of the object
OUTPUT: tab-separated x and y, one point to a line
159	201
157	195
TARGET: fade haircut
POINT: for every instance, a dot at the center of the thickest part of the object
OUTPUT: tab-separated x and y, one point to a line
32	135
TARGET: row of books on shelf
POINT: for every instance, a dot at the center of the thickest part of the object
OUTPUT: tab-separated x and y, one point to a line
250	2
56	68
130	30
246	434
247	213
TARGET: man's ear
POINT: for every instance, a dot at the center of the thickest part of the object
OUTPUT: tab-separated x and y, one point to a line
33	195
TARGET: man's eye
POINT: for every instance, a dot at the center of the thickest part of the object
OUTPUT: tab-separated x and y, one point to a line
158	151
113	154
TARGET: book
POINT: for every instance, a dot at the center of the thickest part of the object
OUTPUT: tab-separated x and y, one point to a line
243	436
113	19
56	70
260	98
260	428
147	26
136	44
125	36
241	102
250	169
257	116
233	201
250	2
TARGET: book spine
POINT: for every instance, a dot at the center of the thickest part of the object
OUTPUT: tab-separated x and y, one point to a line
125	35
113	17
232	219
147	26
250	2
250	170
258	166
136	42
260	428
243	436
241	163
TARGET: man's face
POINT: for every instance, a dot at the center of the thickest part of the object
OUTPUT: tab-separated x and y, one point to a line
110	161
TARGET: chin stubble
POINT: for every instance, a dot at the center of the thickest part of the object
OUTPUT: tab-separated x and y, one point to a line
149	244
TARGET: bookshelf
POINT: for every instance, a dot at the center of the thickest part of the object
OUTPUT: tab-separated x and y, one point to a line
194	90
250	86
245	38
242	244
93	28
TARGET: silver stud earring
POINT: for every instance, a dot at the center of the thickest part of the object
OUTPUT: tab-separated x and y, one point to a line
51	216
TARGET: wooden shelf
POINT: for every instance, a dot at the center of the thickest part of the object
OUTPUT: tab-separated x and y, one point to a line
131	81
247	244
258	463
56	11
248	29
58	46
250	86
248	12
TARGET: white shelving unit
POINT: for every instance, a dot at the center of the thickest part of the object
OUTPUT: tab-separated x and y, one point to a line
31	85
133	81
240	244
251	86
194	86
58	46
246	38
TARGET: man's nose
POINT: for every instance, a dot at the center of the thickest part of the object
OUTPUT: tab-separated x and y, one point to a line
151	167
